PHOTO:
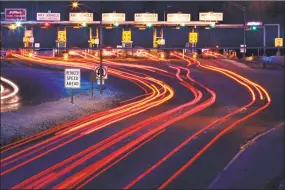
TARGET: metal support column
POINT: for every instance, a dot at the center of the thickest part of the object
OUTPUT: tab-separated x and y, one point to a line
101	56
264	40
154	36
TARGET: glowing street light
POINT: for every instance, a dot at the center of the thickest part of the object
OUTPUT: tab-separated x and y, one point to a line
12	26
18	24
116	24
75	4
84	24
182	24
148	24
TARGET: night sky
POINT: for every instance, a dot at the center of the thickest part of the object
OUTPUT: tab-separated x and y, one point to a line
267	12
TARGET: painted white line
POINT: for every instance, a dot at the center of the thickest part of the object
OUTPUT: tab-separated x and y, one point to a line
240	152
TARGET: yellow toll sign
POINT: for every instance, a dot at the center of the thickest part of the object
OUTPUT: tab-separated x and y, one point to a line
193	37
127	36
61	36
26	39
278	42
92	41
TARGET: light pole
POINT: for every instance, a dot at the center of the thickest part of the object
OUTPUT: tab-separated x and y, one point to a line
75	5
243	9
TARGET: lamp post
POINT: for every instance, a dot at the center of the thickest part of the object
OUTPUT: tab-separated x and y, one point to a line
100	46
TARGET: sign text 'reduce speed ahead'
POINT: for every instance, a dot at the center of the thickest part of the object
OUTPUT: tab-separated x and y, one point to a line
72	78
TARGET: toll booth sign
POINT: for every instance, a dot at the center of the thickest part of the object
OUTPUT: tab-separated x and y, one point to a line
278	42
72	78
193	37
127	36
61	36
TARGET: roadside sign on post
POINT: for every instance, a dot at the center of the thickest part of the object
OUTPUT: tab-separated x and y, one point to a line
72	78
61	36
37	45
104	72
278	42
193	37
242	49
127	36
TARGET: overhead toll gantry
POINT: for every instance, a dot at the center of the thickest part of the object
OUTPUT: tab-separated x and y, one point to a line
141	21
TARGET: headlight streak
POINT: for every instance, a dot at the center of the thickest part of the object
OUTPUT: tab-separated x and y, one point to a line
237	78
156	93
10	83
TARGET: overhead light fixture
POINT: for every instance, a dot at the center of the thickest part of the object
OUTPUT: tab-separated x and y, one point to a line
116	24
18	24
75	4
84	24
148	24
12	26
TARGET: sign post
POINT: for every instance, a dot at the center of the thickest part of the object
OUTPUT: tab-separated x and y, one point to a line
72	80
278	43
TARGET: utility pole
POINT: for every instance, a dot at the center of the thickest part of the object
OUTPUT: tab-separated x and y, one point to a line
101	56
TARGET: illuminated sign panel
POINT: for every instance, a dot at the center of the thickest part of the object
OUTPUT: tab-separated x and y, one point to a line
178	17
146	17
81	17
211	16
253	23
113	17
15	14
48	16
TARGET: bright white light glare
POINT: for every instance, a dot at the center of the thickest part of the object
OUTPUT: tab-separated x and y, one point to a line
148	24
84	24
116	24
182	24
18	24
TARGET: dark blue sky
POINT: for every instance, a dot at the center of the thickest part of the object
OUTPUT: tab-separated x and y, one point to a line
174	38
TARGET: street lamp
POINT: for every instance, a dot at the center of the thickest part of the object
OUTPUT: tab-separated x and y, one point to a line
75	4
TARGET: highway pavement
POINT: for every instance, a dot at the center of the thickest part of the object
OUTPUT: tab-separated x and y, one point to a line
186	124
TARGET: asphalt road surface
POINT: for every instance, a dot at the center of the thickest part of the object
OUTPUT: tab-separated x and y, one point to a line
187	123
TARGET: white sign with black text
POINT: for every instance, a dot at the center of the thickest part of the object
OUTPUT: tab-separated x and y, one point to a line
72	78
48	16
178	17
113	17
81	17
211	16
146	17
